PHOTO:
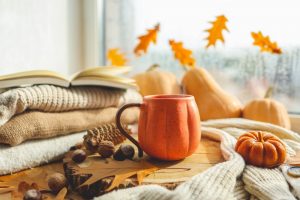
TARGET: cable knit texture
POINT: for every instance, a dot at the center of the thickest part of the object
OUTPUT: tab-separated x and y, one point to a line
34	125
49	98
229	180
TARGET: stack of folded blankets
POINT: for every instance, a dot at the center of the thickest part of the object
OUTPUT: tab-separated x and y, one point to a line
38	124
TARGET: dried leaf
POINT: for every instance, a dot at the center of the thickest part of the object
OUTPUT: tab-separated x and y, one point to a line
146	39
183	55
116	58
215	33
62	194
36	178
24	186
120	171
265	43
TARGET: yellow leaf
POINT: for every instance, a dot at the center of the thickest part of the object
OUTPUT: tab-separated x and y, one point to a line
116	58
62	194
120	171
215	32
183	55
265	43
146	39
35	178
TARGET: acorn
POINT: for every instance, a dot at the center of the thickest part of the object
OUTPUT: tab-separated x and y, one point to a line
79	156
32	194
125	151
106	149
76	146
56	182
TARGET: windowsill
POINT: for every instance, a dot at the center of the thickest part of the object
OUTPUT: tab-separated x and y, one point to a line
295	121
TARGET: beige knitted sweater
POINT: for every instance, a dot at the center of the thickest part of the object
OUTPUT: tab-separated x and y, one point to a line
231	179
37	125
49	98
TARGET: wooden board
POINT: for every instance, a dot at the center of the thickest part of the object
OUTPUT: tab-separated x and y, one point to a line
170	174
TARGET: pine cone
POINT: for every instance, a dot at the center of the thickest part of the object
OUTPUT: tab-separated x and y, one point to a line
105	132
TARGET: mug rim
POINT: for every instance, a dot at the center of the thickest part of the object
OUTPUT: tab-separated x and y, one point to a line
169	97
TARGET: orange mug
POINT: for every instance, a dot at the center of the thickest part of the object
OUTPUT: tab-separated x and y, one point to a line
168	128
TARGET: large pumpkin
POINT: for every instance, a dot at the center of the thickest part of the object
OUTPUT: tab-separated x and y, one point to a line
261	149
213	102
155	81
267	110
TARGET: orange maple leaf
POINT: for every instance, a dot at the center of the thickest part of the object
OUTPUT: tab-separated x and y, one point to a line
215	33
146	39
265	43
116	58
183	55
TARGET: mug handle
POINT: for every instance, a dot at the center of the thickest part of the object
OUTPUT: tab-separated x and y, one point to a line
122	131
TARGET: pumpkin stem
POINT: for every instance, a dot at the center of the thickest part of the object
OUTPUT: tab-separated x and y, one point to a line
153	67
260	137
269	92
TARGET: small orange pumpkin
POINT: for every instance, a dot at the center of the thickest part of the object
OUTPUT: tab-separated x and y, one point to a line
267	110
261	149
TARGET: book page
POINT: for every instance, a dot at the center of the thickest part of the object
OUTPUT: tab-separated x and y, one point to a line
32	74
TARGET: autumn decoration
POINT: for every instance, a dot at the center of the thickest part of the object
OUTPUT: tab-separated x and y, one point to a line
213	102
265	43
116	58
146	40
261	149
104	174
215	33
183	55
267	110
33	179
157	81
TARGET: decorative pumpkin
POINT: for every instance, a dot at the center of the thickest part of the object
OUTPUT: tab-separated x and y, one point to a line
261	149
155	81
213	102
267	110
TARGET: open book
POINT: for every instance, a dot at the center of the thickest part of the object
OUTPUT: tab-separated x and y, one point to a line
96	76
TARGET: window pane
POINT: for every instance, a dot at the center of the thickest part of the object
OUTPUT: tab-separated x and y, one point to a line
237	65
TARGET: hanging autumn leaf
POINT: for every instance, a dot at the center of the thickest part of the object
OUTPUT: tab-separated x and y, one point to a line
265	43
182	54
116	58
146	39
215	33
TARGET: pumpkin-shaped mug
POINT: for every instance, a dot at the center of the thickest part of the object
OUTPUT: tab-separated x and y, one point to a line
169	126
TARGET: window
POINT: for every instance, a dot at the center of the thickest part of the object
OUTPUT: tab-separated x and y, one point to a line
238	65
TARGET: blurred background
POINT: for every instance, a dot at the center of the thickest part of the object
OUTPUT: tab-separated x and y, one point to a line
69	35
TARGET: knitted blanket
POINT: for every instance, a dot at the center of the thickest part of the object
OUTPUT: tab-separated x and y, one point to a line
34	153
231	179
34	125
49	98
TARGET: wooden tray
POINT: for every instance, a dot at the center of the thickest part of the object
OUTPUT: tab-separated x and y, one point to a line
170	174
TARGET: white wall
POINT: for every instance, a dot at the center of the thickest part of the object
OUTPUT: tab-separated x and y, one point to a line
41	34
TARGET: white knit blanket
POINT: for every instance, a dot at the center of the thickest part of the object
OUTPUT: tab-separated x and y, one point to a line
231	179
50	98
35	152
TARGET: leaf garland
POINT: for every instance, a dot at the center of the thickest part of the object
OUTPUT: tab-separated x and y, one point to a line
215	33
182	54
265	43
116	58
145	40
